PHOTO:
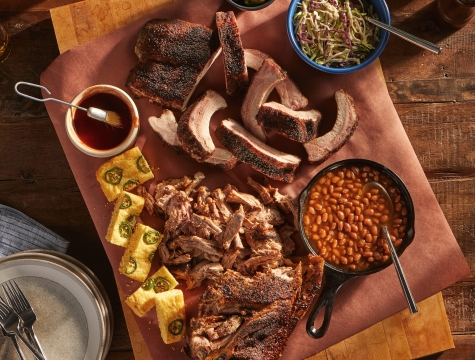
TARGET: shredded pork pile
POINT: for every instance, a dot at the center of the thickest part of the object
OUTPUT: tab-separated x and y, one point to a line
241	245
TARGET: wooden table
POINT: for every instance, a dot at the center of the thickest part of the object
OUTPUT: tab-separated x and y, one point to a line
433	95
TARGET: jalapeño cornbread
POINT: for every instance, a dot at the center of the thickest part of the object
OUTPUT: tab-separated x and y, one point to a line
138	256
123	173
143	299
126	211
171	315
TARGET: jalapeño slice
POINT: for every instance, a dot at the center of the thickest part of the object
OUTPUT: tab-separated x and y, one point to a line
142	164
131	266
161	285
113	176
130	184
132	219
150	257
151	237
126	202
176	326
125	230
148	284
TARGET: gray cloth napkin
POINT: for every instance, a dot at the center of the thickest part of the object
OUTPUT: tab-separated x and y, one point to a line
19	232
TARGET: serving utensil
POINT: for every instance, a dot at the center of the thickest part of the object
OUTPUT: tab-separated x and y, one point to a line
400	273
15	343
12	325
109	117
402	34
334	277
17	300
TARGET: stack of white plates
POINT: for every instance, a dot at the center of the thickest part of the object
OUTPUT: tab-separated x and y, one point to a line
74	316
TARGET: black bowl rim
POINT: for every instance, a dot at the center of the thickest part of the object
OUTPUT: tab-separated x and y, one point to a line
404	192
251	8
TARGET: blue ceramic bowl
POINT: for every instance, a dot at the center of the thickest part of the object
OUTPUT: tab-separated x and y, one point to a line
379	6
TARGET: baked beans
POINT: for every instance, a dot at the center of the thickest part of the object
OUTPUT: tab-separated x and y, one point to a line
341	222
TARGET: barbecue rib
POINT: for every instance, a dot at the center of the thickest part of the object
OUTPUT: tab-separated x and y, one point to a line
166	128
261	157
323	147
289	93
235	69
193	127
300	126
263	82
176	42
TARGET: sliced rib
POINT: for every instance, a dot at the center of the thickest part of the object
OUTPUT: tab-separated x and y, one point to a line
323	147
300	126
165	84
166	128
289	93
261	157
176	42
235	69
193	127
263	82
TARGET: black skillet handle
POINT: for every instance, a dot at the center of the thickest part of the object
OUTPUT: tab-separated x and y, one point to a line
333	282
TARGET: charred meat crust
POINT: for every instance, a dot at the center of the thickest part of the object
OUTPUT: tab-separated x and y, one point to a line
164	84
261	157
176	42
263	82
299	126
323	147
235	69
193	127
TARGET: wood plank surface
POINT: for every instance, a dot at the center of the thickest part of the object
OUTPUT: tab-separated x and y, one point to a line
433	95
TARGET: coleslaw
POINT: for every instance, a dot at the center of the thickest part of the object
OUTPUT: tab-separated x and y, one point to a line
334	33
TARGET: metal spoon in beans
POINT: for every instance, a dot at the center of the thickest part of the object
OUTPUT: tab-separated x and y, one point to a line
400	273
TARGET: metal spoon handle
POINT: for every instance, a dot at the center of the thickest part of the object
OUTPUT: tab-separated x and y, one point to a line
400	273
409	37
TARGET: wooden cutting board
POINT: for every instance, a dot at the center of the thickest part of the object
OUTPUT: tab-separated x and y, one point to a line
402	336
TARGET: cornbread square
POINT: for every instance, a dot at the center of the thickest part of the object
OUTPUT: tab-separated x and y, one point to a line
127	208
171	315
143	299
123	172
137	258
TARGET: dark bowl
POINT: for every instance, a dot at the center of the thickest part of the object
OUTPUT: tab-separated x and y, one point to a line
250	8
379	6
334	277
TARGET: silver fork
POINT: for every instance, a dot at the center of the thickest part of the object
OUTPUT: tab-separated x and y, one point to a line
15	343
17	300
11	323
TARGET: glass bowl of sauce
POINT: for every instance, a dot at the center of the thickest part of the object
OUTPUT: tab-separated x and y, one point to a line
251	5
96	138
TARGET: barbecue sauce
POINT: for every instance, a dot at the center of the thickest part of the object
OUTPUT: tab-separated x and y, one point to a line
97	134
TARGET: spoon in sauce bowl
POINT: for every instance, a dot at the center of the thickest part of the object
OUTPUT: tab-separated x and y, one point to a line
373	186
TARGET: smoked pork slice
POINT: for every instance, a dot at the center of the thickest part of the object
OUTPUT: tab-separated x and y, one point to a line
193	127
163	84
300	126
176	42
323	147
289	93
263	82
247	148
235	70
166	127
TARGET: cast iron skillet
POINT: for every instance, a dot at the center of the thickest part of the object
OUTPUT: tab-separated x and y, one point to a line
334	277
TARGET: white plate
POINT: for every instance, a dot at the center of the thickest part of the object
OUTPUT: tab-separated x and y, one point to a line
70	320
